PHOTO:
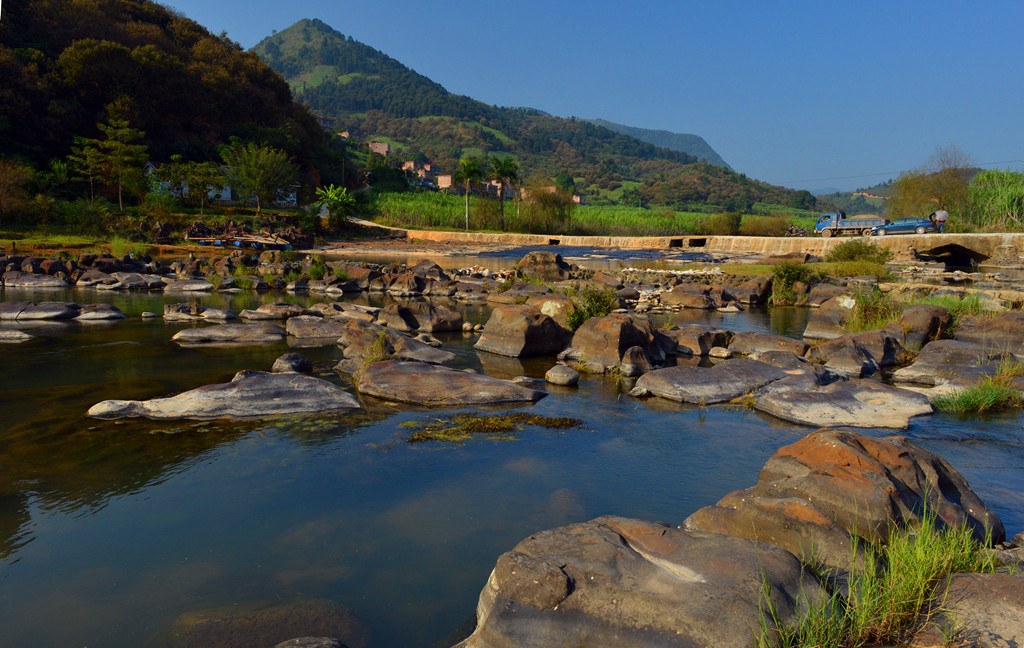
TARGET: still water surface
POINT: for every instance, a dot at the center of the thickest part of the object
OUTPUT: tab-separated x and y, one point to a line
110	530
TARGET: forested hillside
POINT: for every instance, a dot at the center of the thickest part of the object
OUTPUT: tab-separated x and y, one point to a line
375	97
683	142
67	66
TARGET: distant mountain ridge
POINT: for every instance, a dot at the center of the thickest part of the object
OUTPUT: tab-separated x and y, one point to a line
694	145
372	95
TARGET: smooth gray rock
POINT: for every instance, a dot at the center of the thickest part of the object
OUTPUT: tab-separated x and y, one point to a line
360	339
725	381
48	311
249	394
275	311
750	342
951	362
436	386
292	363
188	285
312	327
987	610
629	583
194	311
697	339
15	279
99	312
851	403
14	336
420	316
231	334
562	375
828	321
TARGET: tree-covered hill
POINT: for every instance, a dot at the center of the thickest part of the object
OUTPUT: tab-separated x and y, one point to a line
66	65
690	144
374	96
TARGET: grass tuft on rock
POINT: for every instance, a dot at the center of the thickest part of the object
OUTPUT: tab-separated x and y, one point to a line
459	428
994	393
890	598
589	302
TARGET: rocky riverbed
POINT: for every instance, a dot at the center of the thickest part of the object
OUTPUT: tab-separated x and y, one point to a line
401	352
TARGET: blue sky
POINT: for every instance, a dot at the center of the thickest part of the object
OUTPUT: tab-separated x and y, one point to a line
803	94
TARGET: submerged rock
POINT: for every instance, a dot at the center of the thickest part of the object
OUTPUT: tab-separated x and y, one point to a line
250	393
433	385
725	381
620	582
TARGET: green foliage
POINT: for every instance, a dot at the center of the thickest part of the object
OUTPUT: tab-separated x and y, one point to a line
889	598
258	171
339	204
784	275
504	171
726	224
940	184
590	302
802	199
190	182
317	269
774	225
13	178
859	250
379	350
874	309
996	392
468	174
996	201
120	246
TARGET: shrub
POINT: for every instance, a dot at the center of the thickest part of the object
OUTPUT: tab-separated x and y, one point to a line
724	224
873	311
784	275
590	302
773	225
317	269
859	250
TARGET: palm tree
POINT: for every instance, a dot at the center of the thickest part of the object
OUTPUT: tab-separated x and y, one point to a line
468	173
504	170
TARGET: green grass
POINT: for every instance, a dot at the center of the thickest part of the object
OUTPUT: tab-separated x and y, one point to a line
589	302
784	276
873	311
120	246
859	250
889	597
996	392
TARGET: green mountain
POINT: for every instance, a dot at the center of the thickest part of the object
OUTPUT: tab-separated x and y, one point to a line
375	97
684	143
66	66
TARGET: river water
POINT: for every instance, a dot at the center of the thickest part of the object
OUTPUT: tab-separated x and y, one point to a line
111	530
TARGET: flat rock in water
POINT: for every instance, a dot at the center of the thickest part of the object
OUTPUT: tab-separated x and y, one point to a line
292	362
433	385
27	280
951	362
725	381
620	582
275	311
46	311
99	312
310	327
851	403
231	334
250	393
193	311
361	338
188	285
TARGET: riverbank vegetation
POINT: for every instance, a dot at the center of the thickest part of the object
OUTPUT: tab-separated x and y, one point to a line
895	594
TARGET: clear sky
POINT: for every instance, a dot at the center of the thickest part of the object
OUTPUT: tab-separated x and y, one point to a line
802	94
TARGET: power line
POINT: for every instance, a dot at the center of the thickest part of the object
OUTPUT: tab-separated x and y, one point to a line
889	173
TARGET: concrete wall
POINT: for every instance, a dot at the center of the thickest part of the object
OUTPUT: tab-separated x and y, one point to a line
1001	249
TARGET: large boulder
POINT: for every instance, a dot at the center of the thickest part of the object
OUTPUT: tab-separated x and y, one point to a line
521	331
275	311
15	279
363	340
828	321
986	610
31	311
702	386
870	485
620	582
346	311
598	345
231	335
851	403
250	393
547	266
309	327
436	386
751	342
922	323
951	362
420	316
1004	333
99	312
697	339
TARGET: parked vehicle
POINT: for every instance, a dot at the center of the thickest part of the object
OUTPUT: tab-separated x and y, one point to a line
793	231
909	225
837	223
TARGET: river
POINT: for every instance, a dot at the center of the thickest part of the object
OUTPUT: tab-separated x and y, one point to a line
111	530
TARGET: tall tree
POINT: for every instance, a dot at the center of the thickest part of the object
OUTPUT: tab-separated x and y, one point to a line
504	171
468	174
338	202
13	178
122	159
258	170
86	160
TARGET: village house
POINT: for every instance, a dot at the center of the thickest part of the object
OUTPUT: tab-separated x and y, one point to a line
380	148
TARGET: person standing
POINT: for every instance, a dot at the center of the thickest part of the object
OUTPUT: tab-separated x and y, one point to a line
940	216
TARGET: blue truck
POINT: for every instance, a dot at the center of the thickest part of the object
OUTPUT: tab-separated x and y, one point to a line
837	223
